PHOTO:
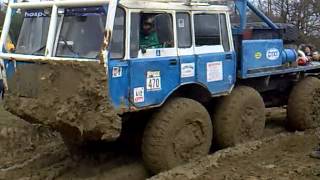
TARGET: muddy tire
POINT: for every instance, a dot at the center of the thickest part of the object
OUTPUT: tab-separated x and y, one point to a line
239	117
180	131
304	105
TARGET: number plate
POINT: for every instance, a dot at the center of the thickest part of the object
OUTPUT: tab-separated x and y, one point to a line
153	81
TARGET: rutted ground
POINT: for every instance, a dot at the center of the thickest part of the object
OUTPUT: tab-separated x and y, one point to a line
284	156
33	152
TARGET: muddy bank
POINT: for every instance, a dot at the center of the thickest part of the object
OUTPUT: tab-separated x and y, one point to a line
70	97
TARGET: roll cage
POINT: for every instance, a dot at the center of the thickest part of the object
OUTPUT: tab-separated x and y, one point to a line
51	37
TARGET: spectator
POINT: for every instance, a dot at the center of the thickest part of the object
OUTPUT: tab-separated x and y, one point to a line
316	56
2	85
308	51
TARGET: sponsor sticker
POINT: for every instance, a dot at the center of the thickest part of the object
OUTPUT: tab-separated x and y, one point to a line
153	81
214	71
187	70
36	13
116	72
138	95
258	55
273	54
181	23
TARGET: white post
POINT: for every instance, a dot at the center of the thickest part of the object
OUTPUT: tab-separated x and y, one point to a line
109	27
3	41
5	28
52	31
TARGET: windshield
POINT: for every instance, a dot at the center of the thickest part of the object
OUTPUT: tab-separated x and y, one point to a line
34	31
81	32
78	33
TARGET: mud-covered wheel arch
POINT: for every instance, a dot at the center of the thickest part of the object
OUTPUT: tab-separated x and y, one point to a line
178	132
304	105
238	117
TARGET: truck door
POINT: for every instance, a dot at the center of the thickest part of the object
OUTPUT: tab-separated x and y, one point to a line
216	65
185	47
154	63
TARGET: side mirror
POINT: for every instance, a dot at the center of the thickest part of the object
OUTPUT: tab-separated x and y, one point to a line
164	28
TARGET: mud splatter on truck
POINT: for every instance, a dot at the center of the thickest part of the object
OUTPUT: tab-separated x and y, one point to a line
70	97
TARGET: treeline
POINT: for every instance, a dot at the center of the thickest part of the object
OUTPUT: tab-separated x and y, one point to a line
304	14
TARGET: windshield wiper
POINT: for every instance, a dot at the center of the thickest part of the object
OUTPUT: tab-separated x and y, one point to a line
40	49
69	46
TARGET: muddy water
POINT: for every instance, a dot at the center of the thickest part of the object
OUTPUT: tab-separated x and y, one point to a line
70	97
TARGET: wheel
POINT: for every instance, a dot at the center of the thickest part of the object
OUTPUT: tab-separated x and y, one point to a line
304	105
180	131
238	117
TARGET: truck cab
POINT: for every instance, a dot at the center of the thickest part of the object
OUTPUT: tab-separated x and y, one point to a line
187	53
87	68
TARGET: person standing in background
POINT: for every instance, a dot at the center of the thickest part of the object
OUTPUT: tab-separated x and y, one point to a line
2	82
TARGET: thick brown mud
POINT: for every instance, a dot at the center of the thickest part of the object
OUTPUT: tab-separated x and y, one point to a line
69	97
284	157
30	152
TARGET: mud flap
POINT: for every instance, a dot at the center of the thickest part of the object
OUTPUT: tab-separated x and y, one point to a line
70	97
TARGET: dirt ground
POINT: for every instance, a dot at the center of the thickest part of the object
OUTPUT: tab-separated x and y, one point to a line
34	152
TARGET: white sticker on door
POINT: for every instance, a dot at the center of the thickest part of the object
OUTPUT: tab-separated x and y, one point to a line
214	71
181	23
138	95
153	81
187	70
116	72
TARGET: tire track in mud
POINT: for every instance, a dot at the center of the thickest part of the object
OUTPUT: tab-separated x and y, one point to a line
49	158
283	156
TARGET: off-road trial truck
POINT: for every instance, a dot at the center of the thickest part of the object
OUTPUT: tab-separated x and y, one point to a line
79	68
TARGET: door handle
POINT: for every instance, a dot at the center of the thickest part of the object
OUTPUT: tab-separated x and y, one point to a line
228	56
173	62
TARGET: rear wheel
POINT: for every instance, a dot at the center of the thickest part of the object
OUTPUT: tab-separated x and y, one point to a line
180	131
239	117
304	105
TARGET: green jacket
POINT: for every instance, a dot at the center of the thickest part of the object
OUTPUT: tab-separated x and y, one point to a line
150	42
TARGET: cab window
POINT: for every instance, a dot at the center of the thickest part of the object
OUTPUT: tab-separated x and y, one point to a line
224	33
150	31
184	30
81	33
207	29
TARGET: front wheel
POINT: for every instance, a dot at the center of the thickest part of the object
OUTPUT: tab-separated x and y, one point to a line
178	132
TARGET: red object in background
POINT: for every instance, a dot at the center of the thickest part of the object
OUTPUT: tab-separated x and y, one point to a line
247	34
302	61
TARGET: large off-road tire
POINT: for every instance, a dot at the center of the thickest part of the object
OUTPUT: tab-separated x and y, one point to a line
239	117
180	131
304	105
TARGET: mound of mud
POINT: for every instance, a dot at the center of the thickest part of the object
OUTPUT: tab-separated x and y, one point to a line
70	97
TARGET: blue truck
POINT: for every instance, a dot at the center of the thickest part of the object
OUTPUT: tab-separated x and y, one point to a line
179	73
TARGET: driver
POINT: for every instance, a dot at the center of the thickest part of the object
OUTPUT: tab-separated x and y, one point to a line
148	36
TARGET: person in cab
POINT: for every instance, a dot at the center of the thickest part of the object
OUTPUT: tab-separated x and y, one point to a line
149	38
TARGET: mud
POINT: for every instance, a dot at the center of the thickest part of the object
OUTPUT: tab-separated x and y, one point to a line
34	152
284	156
69	97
